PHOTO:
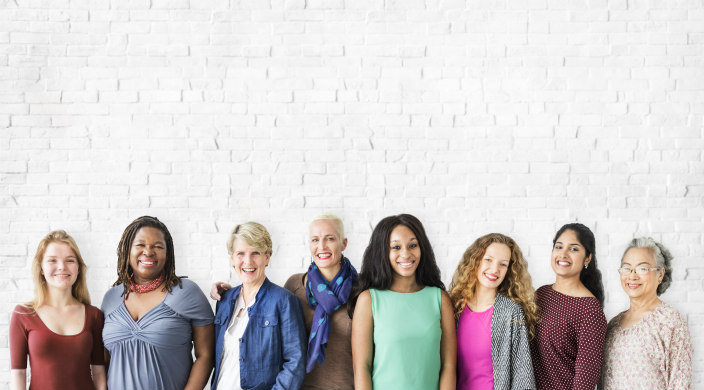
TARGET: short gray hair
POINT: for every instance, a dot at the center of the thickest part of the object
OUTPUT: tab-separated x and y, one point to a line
336	221
254	234
663	258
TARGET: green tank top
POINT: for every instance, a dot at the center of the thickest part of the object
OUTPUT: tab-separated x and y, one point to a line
406	339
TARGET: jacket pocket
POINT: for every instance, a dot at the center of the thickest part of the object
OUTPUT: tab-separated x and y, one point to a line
266	342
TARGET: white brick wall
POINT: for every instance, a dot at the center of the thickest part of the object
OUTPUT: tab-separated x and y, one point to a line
477	116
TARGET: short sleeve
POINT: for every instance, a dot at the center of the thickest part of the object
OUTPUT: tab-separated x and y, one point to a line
19	343
112	299
97	357
190	302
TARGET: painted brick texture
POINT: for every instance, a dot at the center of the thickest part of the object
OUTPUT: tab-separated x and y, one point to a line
476	116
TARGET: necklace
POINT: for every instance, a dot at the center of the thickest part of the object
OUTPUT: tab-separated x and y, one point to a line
146	287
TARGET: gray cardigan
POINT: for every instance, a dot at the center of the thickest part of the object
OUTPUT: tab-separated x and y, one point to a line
510	351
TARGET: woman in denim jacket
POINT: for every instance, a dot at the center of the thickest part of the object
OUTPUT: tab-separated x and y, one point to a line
260	338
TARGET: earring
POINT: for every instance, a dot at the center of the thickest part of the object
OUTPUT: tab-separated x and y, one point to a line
586	265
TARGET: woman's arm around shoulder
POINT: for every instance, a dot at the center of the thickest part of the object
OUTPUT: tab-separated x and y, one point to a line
448	345
293	341
363	341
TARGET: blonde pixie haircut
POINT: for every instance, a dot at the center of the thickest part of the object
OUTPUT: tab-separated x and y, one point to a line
336	221
79	290
254	234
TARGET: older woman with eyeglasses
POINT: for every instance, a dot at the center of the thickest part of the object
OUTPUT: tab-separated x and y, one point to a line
648	346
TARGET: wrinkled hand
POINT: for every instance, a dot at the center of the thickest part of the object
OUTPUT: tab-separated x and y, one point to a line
217	289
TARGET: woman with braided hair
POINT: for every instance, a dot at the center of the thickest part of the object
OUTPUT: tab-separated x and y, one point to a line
153	318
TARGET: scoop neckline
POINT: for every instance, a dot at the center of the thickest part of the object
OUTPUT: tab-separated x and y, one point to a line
413	292
85	324
565	295
642	320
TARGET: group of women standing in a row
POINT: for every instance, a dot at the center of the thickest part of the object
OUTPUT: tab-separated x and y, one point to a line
393	325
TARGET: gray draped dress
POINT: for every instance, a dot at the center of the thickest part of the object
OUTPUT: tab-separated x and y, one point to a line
155	351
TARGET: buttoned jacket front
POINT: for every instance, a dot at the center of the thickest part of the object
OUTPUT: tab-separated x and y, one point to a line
273	346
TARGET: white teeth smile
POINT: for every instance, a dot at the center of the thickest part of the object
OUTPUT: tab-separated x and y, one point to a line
405	264
248	269
147	262
492	278
324	256
563	263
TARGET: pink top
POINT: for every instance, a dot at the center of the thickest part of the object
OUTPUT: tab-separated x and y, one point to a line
474	367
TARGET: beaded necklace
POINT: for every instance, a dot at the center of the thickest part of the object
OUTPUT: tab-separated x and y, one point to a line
146	287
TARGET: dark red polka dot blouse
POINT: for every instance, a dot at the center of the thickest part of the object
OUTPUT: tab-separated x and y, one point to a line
569	342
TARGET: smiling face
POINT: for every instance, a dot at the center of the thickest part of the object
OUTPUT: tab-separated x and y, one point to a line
249	263
147	254
568	255
59	266
404	251
640	286
493	266
326	245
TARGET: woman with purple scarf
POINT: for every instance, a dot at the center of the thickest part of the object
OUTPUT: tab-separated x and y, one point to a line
323	292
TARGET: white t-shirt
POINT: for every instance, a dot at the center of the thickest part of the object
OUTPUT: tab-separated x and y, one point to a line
229	376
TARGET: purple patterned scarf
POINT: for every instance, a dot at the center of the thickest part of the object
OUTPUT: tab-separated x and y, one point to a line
325	297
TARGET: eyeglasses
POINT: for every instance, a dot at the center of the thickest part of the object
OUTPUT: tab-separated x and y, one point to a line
639	270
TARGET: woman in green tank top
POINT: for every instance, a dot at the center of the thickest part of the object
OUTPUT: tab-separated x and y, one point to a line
403	327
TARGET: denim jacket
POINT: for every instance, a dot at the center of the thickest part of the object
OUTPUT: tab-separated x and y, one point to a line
273	346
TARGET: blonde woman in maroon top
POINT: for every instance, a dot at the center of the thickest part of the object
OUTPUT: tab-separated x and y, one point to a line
568	346
59	330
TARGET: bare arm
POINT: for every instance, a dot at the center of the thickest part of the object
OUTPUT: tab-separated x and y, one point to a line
100	380
204	348
448	345
363	342
217	290
18	379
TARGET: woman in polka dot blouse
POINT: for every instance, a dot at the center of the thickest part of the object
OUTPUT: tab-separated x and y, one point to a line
567	350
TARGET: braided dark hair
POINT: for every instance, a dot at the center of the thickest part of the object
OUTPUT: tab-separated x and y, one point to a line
124	270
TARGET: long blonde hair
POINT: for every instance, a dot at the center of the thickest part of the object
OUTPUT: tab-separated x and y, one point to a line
517	285
79	290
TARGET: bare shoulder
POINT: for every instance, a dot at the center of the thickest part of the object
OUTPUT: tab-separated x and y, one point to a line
365	298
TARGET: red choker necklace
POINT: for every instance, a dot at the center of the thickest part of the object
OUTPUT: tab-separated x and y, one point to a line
146	287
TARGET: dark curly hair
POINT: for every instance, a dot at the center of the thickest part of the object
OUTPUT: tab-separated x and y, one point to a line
661	255
376	267
590	276
124	270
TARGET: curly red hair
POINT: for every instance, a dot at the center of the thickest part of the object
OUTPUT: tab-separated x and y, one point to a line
517	285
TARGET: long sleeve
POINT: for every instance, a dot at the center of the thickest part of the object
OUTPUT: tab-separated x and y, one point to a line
522	377
680	358
590	342
294	347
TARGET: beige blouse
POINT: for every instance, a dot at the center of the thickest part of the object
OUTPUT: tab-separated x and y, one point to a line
654	353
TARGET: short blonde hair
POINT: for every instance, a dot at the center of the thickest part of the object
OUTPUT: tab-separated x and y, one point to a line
336	221
79	290
254	234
